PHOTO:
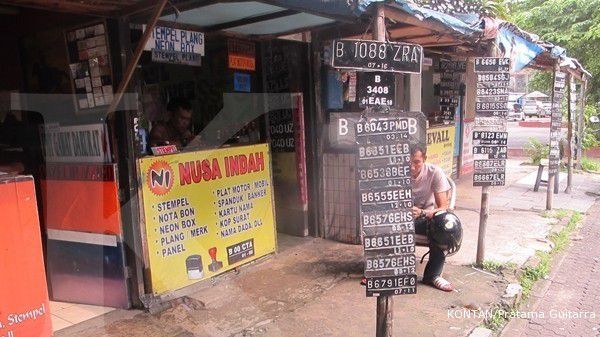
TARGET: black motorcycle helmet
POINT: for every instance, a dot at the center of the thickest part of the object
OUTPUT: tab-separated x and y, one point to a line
445	231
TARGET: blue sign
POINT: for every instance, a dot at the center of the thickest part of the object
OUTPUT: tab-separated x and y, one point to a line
241	82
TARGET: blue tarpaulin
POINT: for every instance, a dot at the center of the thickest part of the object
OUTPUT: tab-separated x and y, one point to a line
453	22
520	51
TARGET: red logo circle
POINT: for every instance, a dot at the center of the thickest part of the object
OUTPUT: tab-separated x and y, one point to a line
160	177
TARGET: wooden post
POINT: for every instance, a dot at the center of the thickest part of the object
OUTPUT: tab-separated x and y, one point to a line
569	136
549	194
135	59
483	216
385	315
551	176
385	304
580	126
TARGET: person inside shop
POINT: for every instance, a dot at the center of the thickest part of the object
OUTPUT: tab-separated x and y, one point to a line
442	229
176	131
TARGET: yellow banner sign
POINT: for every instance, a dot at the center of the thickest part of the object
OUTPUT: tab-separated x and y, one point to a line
440	147
206	212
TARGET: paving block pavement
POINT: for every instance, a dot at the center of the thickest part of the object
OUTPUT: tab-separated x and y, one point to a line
568	302
311	287
517	226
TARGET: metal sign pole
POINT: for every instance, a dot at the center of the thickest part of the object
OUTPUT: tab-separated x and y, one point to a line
385	303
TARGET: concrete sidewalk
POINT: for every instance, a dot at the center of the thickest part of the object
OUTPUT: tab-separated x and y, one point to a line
311	287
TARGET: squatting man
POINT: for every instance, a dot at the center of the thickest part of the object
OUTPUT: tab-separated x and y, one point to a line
435	226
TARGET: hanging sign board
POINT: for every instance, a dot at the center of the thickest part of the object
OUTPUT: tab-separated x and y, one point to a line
242	82
342	129
174	40
392	285
493	77
490	138
384	176
493	84
451	101
175	57
241	55
376	89
382	265
368	55
492	152
448	66
492	64
176	46
385	222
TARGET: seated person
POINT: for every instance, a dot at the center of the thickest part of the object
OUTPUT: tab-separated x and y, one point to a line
176	131
430	187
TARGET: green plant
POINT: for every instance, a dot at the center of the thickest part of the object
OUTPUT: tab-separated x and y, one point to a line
590	164
536	150
495	266
558	214
591	131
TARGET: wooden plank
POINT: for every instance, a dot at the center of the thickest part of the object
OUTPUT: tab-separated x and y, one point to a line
135	59
569	136
410	32
433	40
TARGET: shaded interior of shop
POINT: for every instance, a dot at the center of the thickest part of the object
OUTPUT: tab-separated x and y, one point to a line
282	49
86	210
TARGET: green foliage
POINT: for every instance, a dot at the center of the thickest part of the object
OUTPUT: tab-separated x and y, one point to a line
572	24
557	214
540	81
495	8
495	266
536	150
590	164
591	131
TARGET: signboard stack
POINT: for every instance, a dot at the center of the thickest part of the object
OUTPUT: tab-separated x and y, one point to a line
556	122
382	143
450	86
491	108
385	199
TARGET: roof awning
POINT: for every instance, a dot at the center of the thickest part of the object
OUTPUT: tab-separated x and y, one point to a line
248	18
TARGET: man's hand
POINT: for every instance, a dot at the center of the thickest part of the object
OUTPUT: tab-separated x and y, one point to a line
417	212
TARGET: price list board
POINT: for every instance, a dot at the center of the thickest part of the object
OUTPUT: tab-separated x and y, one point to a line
490	139
556	122
385	199
450	86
